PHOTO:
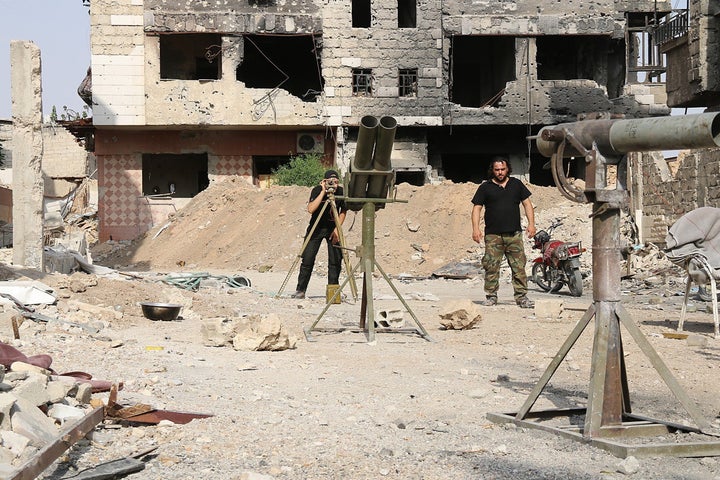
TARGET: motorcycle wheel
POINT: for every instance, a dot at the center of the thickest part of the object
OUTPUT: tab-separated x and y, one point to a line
575	283
540	277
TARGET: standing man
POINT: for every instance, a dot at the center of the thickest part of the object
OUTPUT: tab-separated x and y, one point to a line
501	197
326	229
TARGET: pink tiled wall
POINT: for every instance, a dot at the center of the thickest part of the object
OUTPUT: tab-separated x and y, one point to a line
120	189
220	166
125	213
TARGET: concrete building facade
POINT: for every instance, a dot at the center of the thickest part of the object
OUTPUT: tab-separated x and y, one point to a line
662	190
691	40
187	93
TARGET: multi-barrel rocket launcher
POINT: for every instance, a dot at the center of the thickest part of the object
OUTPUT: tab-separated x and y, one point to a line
371	173
594	146
370	180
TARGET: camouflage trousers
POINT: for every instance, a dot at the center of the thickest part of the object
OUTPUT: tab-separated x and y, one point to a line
509	246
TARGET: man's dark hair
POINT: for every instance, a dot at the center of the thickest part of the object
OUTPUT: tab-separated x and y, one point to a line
501	159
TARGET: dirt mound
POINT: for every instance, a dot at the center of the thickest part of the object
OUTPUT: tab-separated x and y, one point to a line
234	227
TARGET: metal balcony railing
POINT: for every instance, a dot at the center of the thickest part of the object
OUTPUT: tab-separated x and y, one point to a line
674	27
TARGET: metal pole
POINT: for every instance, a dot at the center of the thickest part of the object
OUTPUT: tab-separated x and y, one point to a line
368	263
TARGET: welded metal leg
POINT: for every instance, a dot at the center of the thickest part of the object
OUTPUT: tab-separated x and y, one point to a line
605	393
663	371
559	357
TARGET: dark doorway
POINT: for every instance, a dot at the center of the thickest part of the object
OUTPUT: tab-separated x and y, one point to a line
183	176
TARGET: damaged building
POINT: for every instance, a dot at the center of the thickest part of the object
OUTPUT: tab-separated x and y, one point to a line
187	93
662	190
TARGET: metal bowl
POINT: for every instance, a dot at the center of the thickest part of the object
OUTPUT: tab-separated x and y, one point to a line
161	311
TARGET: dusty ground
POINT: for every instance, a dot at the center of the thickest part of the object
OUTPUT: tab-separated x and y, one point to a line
340	407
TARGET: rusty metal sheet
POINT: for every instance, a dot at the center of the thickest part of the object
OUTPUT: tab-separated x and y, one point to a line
156	416
459	270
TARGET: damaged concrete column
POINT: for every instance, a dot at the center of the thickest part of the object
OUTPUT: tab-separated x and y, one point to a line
26	91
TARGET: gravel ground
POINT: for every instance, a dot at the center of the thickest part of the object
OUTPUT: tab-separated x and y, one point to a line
340	407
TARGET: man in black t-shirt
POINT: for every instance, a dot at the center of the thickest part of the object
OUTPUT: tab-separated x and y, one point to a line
501	197
325	229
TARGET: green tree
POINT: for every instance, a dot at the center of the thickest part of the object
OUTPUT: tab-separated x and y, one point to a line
305	170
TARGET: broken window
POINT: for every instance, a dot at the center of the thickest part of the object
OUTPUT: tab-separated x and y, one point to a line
480	68
183	175
407	14
290	62
362	82
361	13
407	82
568	57
194	56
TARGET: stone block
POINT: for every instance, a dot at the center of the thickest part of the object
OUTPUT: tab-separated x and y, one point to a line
217	331
33	389
550	308
27	420
14	442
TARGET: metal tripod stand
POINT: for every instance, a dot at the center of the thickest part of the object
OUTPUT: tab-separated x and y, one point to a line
330	200
608	416
367	264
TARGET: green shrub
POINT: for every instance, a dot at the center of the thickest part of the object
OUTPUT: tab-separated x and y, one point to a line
305	170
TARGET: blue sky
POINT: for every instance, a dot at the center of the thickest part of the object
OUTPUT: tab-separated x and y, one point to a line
61	29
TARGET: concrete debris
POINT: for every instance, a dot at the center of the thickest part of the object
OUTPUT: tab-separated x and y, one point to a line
462	315
254	333
549	308
629	466
24	428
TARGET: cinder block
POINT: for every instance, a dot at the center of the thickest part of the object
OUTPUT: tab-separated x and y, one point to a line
549	308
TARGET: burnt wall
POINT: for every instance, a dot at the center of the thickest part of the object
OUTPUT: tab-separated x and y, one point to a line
664	192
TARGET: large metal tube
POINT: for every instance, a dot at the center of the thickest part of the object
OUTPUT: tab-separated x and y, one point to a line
363	160
618	137
378	184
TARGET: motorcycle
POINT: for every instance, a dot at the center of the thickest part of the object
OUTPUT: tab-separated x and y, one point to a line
558	263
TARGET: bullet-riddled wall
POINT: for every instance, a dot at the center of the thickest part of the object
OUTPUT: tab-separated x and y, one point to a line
464	80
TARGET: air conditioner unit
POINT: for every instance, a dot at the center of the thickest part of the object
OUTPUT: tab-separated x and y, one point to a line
310	143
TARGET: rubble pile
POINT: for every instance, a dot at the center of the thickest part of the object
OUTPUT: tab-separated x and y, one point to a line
35	404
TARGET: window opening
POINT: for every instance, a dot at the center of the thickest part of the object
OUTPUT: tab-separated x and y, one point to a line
290	62
265	165
480	68
362	82
183	175
644	38
194	56
407	82
407	14
361	13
